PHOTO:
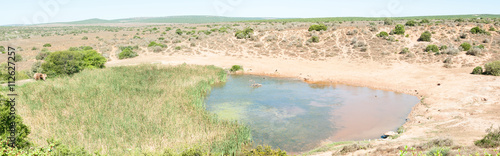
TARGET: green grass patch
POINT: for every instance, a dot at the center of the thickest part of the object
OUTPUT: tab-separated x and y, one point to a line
133	109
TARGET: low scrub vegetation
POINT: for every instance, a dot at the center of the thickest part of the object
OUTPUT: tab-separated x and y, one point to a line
47	45
491	140
127	53
154	44
382	34
411	23
426	36
465	46
318	27
477	71
243	34
432	48
399	29
492	68
235	68
477	30
264	151
72	61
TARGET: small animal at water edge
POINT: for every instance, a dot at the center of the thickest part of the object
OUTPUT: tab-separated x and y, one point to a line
39	76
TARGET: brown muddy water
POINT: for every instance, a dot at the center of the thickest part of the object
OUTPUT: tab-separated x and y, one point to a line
297	117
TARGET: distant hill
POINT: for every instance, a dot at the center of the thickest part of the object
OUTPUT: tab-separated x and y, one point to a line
330	19
218	19
169	19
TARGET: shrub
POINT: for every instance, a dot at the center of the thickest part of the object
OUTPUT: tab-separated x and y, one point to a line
136	37
42	55
451	51
178	32
177	48
70	62
168	29
243	34
382	34
2	49
404	51
411	23
18	58
491	140
264	151
426	36
315	39
477	71
465	46
477	30
492	68
80	48
492	28
425	21
127	53
432	47
47	45
34	48
161	38
437	151
388	21
480	46
22	131
318	27
154	44
85	38
448	60
235	68
399	29
474	51
443	47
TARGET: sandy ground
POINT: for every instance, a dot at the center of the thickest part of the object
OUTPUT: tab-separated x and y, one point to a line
461	108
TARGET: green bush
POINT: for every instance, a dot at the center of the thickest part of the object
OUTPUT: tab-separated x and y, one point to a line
177	48
477	71
70	62
426	36
154	44
477	30
432	47
168	29
443	47
465	46
405	51
22	131
80	48
18	58
399	29
411	23
85	38
480	46
34	48
264	151
42	55
388	21
425	21
47	45
438	151
235	68
127	53
242	34
2	49
315	39
178	32
492	68
492	28
491	140
318	27
382	34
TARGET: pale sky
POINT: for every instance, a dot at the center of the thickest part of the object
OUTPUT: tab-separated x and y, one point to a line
48	11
